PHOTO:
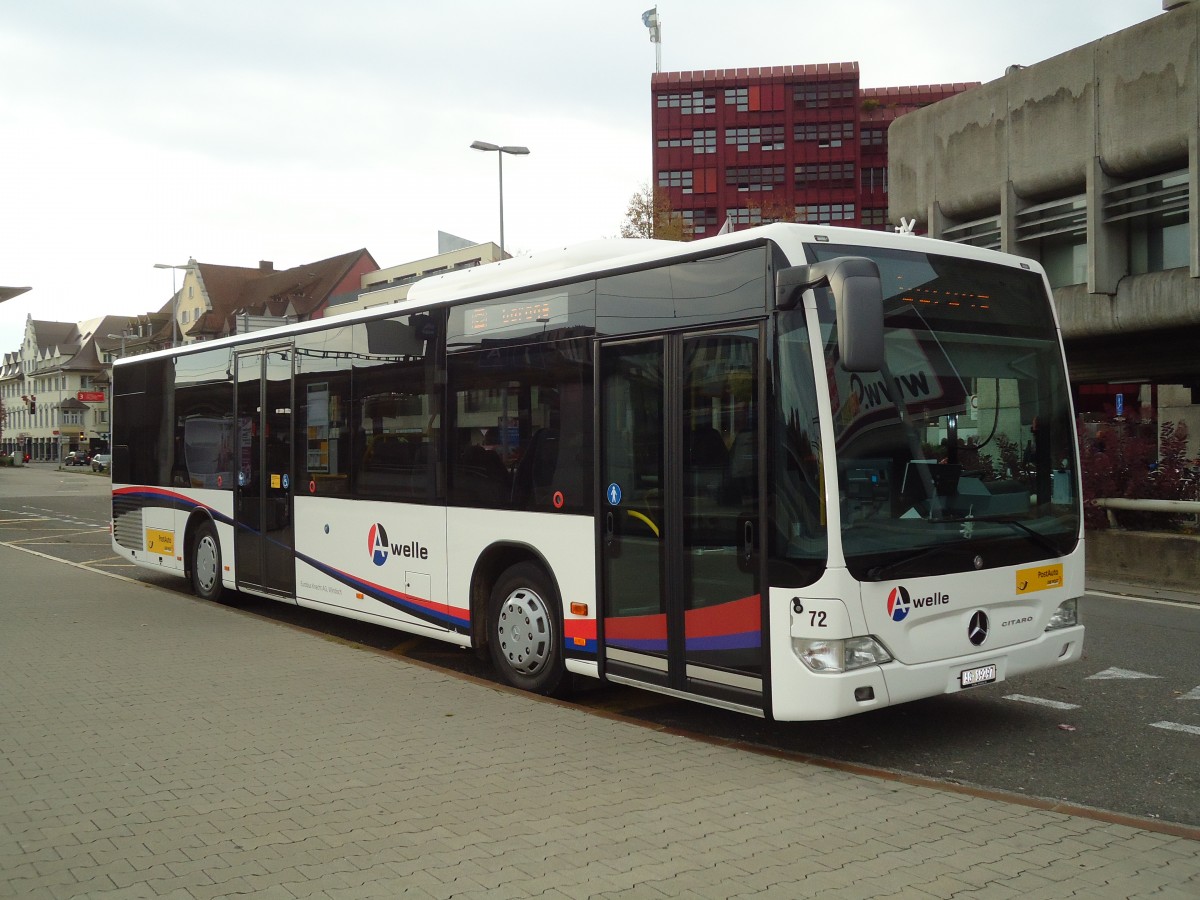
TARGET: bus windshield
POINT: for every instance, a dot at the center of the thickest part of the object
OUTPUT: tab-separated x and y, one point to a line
958	454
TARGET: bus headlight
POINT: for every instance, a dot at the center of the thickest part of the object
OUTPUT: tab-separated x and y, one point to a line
840	655
1066	615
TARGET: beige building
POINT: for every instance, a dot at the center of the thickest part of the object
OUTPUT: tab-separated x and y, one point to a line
1090	163
391	285
54	389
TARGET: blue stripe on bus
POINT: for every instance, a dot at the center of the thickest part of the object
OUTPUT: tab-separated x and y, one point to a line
173	500
744	641
396	599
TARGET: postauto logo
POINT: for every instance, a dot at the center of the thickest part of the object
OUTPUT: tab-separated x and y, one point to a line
900	604
377	544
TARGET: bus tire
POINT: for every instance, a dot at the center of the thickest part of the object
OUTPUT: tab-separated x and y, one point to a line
206	563
524	634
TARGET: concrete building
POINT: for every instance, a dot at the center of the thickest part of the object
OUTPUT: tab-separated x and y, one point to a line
1088	162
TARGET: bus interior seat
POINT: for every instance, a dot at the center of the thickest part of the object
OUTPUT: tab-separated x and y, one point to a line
535	475
481	476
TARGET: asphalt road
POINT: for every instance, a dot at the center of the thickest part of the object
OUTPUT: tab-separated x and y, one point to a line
1118	731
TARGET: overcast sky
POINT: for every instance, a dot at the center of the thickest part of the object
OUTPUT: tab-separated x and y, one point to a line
135	132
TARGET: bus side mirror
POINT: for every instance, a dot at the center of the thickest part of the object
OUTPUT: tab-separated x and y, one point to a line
858	300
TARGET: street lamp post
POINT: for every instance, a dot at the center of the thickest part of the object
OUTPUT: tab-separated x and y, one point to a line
120	337
500	151
174	300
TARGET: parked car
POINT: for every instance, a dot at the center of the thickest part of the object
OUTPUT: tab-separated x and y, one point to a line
100	462
77	458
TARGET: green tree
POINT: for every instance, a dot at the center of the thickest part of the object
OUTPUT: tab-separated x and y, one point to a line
649	215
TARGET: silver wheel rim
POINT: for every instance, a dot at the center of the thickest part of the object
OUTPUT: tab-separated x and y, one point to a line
206	563
523	631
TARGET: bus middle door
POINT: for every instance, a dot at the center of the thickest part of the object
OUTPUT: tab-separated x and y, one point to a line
680	514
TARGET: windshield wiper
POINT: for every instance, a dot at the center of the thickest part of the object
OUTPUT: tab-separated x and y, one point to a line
882	571
1035	536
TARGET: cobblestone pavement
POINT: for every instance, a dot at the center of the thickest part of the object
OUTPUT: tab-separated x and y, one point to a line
157	746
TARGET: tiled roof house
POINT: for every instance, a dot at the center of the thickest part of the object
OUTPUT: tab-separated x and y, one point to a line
228	294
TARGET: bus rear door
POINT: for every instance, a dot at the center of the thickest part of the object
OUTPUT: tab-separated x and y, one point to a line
264	545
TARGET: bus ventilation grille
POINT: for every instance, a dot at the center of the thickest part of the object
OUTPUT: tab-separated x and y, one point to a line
127	524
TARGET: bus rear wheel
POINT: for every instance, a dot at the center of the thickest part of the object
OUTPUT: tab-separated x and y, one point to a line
206	563
524	634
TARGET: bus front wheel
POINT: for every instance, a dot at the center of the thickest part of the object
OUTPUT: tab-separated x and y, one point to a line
524	634
206	563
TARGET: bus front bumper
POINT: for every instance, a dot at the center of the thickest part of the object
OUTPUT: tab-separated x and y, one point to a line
801	695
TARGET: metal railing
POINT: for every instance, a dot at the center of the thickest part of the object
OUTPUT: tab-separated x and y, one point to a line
1178	507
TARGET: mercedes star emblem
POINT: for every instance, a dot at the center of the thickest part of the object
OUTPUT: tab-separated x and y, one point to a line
977	630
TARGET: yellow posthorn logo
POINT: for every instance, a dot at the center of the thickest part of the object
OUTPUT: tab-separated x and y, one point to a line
1041	578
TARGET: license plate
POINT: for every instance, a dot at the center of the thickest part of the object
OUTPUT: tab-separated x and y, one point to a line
981	675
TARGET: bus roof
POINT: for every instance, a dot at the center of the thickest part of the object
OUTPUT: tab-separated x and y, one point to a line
556	265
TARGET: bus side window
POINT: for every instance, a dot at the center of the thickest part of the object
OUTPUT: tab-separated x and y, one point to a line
396	409
323	433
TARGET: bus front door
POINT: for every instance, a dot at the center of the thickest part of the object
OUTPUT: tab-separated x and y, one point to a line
680	515
265	542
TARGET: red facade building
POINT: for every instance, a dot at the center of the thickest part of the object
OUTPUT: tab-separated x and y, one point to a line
789	143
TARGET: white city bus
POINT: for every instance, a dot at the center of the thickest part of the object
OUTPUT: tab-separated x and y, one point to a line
795	471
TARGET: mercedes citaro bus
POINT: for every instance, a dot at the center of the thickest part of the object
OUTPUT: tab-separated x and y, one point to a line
795	471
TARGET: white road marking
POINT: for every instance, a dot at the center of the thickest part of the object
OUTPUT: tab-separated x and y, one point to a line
67	562
1193	694
1175	726
1109	674
1039	701
62	517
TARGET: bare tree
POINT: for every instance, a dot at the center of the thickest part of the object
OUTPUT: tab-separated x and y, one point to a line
649	215
778	210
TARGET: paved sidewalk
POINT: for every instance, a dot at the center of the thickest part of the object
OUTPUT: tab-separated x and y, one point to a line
1141	590
152	745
